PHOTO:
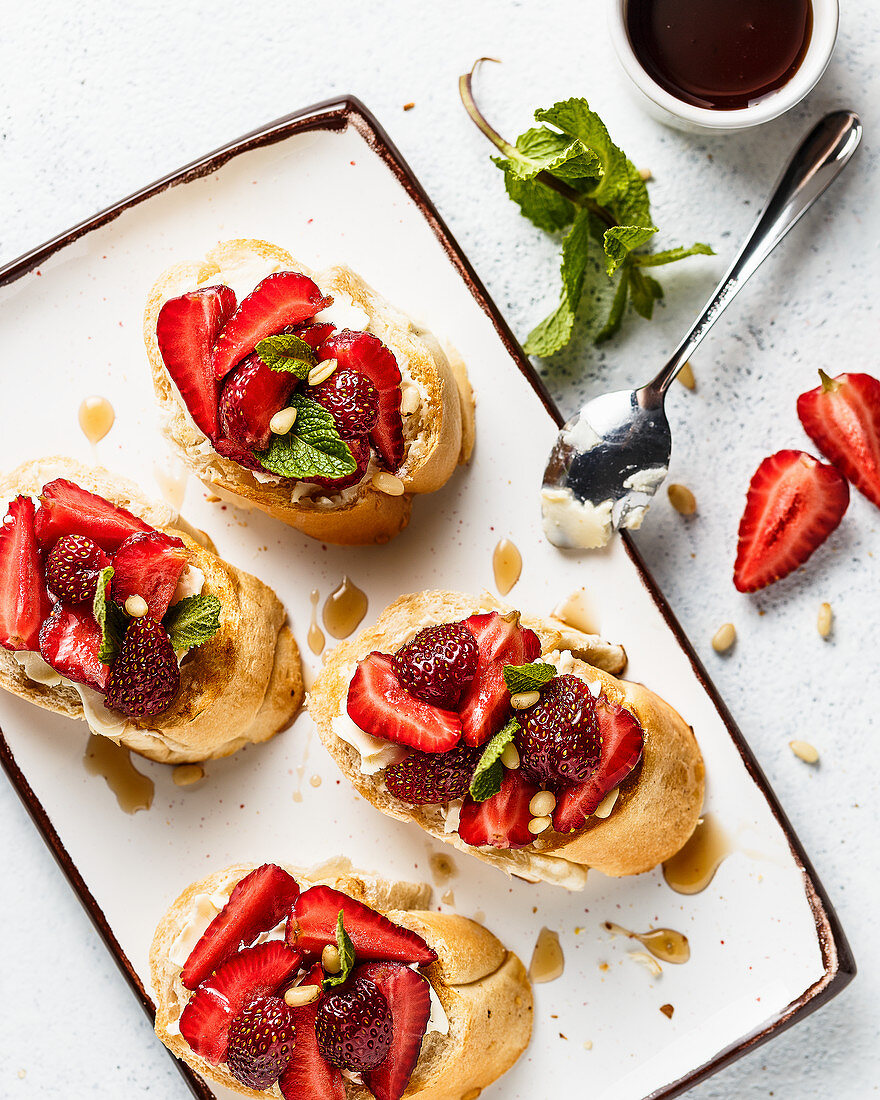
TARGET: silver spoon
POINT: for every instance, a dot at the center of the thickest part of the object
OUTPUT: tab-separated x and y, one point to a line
611	457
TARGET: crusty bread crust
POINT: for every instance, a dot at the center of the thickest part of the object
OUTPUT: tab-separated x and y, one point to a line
483	988
242	686
439	434
658	804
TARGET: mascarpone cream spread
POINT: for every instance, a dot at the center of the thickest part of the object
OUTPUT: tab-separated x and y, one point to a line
571	523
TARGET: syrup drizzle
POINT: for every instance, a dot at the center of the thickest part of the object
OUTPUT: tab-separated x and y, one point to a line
506	565
548	962
172	484
442	867
344	609
96	418
665	944
579	611
692	869
316	637
133	790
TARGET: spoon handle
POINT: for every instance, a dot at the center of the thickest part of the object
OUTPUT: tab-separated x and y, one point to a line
821	157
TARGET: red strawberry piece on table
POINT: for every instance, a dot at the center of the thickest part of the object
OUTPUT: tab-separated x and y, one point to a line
145	676
409	999
361	351
424	778
149	566
285	298
186	330
622	744
257	903
24	601
67	509
360	450
379	704
793	504
261	1041
70	641
502	821
486	703
313	334
253	393
351	399
72	568
353	1026
309	1075
438	664
312	925
559	740
254	972
842	417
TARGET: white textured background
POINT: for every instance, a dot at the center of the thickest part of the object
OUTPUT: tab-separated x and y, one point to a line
99	98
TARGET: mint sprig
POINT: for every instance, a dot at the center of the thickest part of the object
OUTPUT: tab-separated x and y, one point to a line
286	352
192	621
574	178
346	956
531	677
489	772
110	617
312	448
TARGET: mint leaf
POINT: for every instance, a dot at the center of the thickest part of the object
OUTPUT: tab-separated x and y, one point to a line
545	208
621	240
192	621
576	120
533	677
543	150
111	618
312	448
618	305
286	352
489	773
346	956
554	331
671	255
644	291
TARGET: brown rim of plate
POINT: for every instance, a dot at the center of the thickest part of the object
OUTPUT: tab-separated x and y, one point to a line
338	114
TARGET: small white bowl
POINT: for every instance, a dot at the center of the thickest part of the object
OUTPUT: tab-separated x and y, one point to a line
685	116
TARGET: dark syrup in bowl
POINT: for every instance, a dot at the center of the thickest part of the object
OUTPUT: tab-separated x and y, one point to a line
720	54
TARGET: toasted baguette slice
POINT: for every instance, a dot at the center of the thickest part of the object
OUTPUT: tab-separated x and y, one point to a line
438	403
242	686
658	803
483	988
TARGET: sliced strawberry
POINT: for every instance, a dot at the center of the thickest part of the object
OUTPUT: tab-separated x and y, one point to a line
842	417
186	329
361	351
67	509
285	298
310	1076
380	705
258	902
253	972
312	925
70	642
24	600
150	566
313	334
622	744
408	995
238	454
502	641
793	504
502	821
252	394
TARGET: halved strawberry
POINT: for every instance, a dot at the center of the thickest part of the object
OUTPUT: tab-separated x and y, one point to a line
310	1076
312	925
186	330
842	417
150	566
70	641
314	334
259	901
622	743
67	509
379	704
361	351
502	641
793	504
252	394
502	821
408	995
285	298
238	454
24	600
253	972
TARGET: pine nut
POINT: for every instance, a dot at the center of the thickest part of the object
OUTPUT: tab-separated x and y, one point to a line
320	372
825	619
136	606
648	961
682	499
388	484
282	421
524	699
510	756
686	376
543	804
645	174
803	750
301	995
724	638
539	824
605	807
330	959
187	774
